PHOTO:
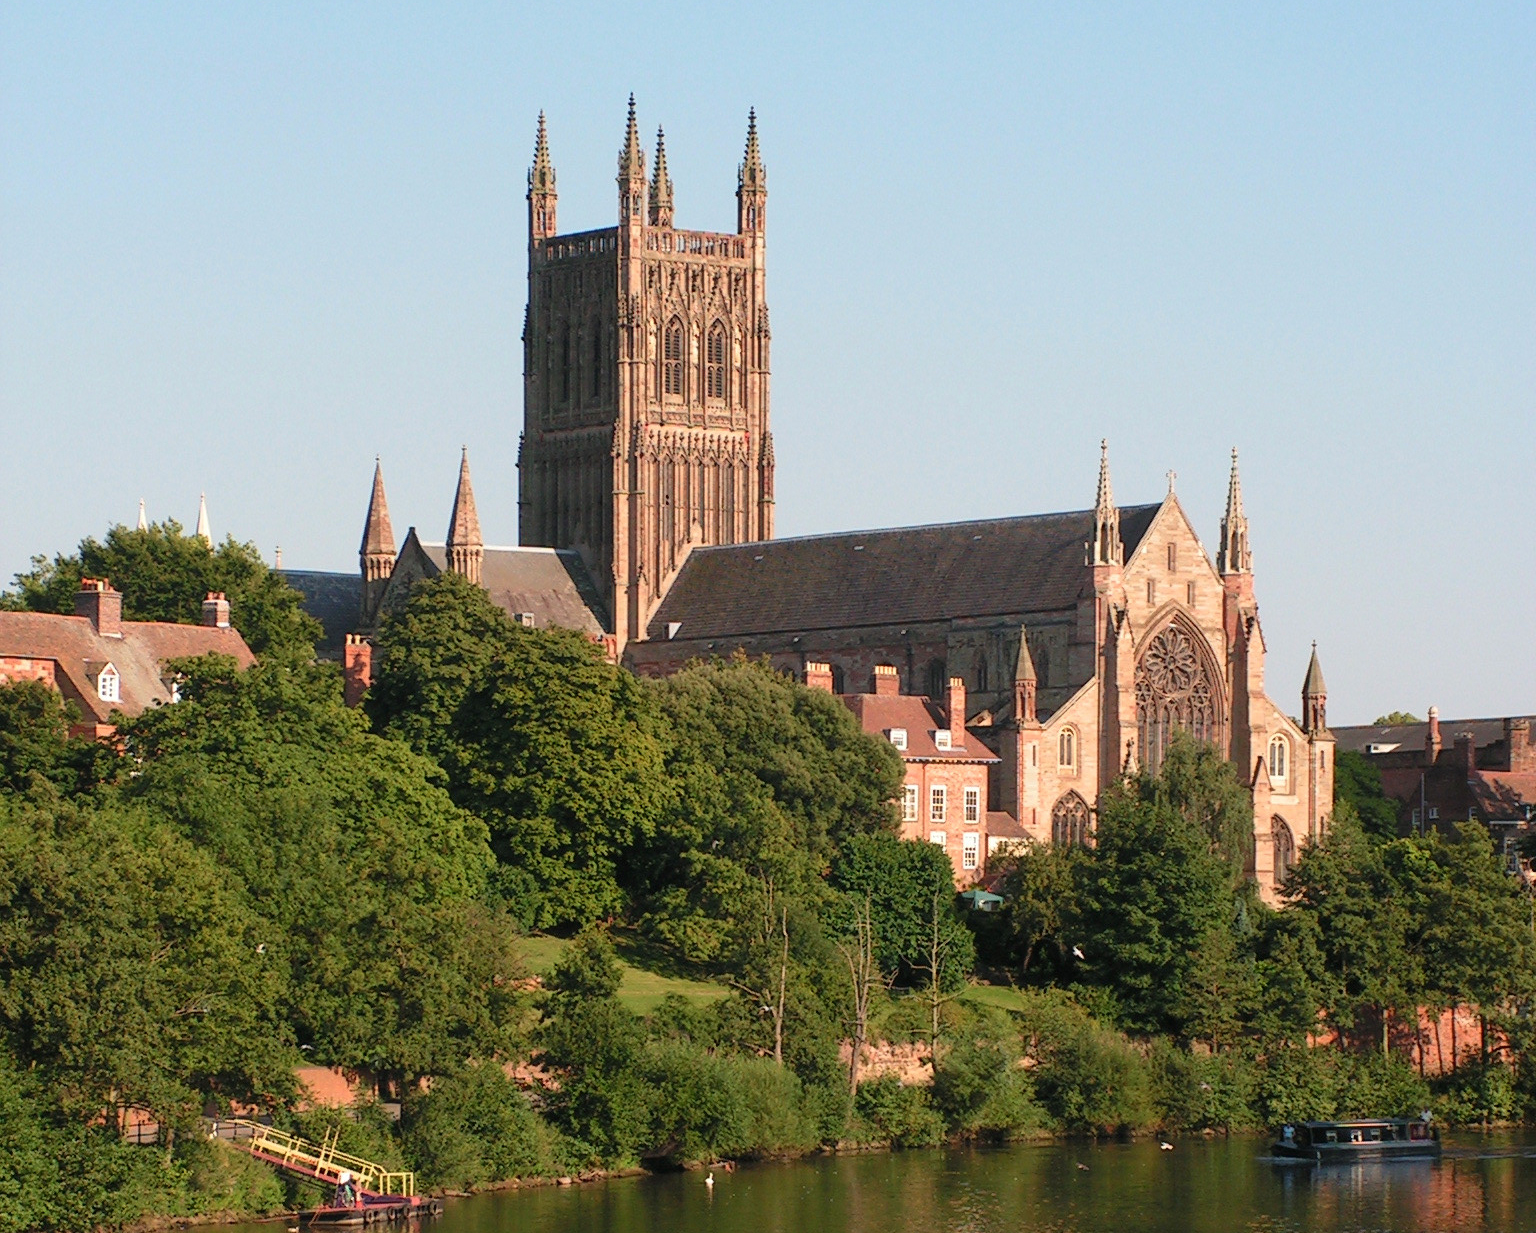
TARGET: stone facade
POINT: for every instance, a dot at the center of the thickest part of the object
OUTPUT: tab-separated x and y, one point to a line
645	382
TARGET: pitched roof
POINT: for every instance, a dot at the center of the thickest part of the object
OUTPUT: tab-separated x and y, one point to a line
333	599
551	583
909	574
1359	738
79	653
879	713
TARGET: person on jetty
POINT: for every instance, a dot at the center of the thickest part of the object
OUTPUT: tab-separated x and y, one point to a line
346	1191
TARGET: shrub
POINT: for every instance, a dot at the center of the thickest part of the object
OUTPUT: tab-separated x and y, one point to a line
979	1087
706	1107
1092	1080
1194	1091
900	1116
1477	1095
472	1128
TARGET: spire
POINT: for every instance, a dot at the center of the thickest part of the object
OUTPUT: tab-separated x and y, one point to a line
1024	682
143	521
1234	557
378	537
661	185
203	531
1314	698
1106	548
631	172
466	550
541	188
751	184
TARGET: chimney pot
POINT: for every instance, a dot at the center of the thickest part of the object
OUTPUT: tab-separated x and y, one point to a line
886	680
818	676
101	605
216	610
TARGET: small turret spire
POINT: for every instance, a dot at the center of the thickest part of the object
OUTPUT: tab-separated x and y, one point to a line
542	197
378	536
661	185
1314	698
1234	556
1106	548
204	532
751	184
1025	682
631	171
143	521
466	550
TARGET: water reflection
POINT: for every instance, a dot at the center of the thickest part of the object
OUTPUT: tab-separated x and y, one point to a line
1483	1183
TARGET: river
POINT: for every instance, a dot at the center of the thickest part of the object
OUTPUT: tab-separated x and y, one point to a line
1484	1182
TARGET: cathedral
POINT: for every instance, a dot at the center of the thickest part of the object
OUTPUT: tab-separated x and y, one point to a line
1052	652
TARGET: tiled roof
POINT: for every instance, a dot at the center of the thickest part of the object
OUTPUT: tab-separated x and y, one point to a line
551	583
910	574
80	652
333	599
1002	825
1360	737
879	713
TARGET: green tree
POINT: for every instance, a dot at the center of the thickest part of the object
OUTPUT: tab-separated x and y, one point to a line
37	752
1029	931
1396	718
1357	781
165	574
1209	791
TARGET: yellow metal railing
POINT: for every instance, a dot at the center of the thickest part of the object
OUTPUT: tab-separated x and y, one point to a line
322	1160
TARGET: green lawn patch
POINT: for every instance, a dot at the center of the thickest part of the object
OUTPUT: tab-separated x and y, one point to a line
649	975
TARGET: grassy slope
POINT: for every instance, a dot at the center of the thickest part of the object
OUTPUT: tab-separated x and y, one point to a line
643	987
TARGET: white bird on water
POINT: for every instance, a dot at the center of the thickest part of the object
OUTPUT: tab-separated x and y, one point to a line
710	1180
1165	1145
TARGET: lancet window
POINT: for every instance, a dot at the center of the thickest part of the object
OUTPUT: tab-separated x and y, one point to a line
1175	688
1069	820
714	368
672	358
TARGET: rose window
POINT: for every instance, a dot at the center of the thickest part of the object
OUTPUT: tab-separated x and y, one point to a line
1175	688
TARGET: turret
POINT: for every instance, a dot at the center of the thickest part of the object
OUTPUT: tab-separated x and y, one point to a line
631	173
751	185
1314	698
1234	557
466	550
541	188
1025	682
1106	548
376	554
661	186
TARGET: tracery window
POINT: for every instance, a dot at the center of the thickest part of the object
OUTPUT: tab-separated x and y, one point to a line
714	366
1285	848
1066	750
672	358
1277	760
1175	688
1069	820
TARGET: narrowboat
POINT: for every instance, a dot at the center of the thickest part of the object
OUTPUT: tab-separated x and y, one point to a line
1389	1138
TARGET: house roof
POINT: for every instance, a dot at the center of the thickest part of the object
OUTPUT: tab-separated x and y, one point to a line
906	575
551	583
333	599
79	653
879	713
1003	825
1360	737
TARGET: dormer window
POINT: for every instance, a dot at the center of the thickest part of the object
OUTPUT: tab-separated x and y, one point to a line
898	737
941	739
109	685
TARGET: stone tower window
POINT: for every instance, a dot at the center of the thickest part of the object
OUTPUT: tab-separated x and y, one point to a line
1066	750
1175	688
567	363
714	369
595	382
1173	558
672	359
981	674
1285	847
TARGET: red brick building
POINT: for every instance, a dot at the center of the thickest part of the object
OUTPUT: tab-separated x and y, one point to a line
105	664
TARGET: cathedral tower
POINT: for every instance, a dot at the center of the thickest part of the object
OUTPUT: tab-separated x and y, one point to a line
645	382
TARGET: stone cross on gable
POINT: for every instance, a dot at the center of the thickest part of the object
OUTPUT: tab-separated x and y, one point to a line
1172	475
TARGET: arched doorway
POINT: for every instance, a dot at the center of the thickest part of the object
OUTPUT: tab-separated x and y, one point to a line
1069	820
1285	848
1177	686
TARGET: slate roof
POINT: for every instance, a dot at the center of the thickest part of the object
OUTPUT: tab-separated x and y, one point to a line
551	583
79	653
1360	737
333	599
879	713
945	571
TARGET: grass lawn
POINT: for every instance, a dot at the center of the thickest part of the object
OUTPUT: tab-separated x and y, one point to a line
1000	997
642	988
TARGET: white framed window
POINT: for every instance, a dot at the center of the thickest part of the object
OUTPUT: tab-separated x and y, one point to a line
1066	750
973	804
898	737
941	739
970	850
909	803
939	838
1279	760
938	803
109	685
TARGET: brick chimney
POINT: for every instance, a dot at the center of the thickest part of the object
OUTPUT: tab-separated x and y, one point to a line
356	668
1432	742
955	709
1517	744
818	676
216	610
102	605
1466	752
887	683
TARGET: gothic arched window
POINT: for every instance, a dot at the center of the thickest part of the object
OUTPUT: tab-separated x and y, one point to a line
672	358
981	674
567	361
714	366
1278	760
1175	688
1069	820
938	679
595	381
1066	750
1285	848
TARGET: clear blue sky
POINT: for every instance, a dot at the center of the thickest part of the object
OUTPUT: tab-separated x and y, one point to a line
245	247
